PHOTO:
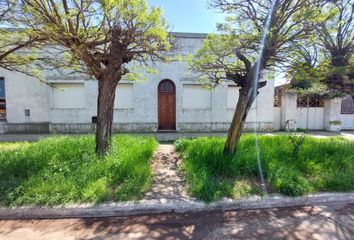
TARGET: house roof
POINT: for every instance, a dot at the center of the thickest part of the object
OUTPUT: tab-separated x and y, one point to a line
189	35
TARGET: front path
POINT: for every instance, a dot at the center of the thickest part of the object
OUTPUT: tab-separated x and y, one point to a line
168	184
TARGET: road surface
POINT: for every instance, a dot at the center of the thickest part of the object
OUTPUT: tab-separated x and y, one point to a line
334	221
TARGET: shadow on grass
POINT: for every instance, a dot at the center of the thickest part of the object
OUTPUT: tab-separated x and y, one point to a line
16	167
62	170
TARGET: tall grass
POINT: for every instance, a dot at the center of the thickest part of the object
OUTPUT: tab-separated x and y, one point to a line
292	165
62	169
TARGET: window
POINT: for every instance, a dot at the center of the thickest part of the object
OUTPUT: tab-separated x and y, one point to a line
232	96
2	100
124	96
347	105
308	102
68	95
196	97
2	89
277	100
166	86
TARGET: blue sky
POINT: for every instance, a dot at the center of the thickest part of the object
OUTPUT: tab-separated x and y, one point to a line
189	15
194	16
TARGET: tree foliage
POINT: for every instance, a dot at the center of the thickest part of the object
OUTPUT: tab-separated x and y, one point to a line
333	39
102	39
97	36
238	43
14	38
236	53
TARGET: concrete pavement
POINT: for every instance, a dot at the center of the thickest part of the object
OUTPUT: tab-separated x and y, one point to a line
172	136
335	221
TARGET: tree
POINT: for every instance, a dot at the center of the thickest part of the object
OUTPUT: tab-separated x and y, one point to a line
237	55
304	72
15	39
332	63
99	38
334	30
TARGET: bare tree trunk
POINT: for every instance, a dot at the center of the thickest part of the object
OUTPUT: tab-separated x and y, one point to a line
105	109
244	104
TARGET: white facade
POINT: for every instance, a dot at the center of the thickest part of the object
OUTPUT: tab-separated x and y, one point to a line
310	118
347	121
325	116
68	104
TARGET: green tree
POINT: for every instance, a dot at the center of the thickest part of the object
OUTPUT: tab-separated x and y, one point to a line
333	41
98	38
15	39
304	71
236	53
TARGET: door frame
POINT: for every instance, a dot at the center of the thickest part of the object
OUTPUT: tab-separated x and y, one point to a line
158	107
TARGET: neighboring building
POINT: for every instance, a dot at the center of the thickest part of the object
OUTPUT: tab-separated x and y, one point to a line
169	100
310	113
347	113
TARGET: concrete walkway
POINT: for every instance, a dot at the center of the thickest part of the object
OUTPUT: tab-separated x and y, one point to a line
172	136
334	221
167	180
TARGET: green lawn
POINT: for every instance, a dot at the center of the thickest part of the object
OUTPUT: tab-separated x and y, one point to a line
62	169
292	165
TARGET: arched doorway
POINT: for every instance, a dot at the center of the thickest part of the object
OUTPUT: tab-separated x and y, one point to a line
167	105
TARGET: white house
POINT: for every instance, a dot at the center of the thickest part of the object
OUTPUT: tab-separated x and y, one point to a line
167	101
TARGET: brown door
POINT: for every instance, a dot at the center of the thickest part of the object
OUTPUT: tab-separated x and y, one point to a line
167	105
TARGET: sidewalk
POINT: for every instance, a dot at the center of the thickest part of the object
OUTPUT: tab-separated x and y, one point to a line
172	136
302	223
168	184
168	195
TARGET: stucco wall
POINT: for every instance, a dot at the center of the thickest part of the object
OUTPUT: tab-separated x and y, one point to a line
24	92
310	118
347	121
139	111
277	118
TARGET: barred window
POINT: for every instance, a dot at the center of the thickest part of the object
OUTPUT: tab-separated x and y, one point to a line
166	86
308	102
277	100
347	105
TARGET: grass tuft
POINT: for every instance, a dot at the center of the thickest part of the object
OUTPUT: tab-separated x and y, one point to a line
62	169
292	165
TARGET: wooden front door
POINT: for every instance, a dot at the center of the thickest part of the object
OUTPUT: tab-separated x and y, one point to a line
167	105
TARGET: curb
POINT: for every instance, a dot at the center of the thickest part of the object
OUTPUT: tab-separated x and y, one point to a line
165	206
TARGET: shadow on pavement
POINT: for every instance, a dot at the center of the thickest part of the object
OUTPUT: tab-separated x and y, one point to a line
311	222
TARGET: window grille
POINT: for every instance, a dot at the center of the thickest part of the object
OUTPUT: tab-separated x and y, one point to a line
166	86
309	102
277	101
347	105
